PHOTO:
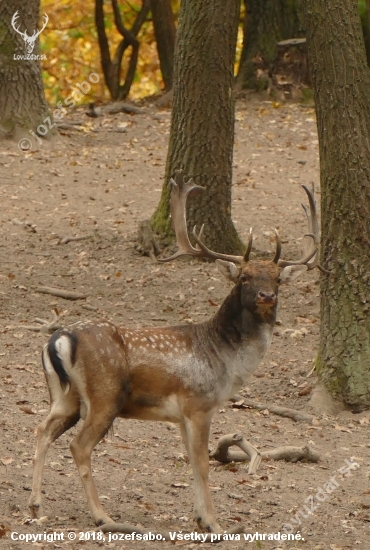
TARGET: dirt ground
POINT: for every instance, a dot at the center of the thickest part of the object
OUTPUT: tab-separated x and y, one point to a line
100	180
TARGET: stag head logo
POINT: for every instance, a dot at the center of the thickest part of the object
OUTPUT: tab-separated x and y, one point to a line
29	40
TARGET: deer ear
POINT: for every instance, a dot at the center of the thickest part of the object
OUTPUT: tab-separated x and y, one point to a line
229	270
291	273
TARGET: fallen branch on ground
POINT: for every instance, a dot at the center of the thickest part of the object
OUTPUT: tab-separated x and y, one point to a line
45	326
90	307
70	125
67	294
249	452
275	409
129	529
66	240
223	454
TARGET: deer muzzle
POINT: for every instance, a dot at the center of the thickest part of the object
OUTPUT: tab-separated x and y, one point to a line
267	298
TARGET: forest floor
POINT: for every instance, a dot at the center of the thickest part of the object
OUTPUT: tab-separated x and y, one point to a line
100	180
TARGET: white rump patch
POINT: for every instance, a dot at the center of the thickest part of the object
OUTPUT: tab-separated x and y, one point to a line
63	349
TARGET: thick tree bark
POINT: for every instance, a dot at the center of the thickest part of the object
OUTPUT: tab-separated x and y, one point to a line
341	81
22	101
165	34
266	23
202	124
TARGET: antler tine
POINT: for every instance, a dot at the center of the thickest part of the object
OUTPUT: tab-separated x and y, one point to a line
278	248
249	247
179	194
37	33
313	224
207	253
199	236
310	252
14	18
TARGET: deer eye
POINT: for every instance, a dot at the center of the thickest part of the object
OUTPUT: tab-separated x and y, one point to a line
244	278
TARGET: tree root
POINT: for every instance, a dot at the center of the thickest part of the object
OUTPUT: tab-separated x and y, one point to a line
241	402
129	529
46	326
147	245
249	452
67	294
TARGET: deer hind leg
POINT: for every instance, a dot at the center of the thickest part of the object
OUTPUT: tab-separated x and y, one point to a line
195	433
93	430
63	415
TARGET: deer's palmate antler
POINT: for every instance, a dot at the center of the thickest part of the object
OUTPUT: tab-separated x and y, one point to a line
97	371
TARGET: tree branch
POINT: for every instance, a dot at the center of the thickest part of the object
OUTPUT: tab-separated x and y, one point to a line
223	454
242	403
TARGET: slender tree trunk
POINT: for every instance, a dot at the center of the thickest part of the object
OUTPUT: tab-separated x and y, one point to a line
112	67
165	34
341	81
266	22
202	124
22	101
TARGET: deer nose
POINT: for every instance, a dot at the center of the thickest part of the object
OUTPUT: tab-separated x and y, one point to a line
267	297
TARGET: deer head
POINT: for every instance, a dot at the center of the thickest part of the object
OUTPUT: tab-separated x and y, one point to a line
257	280
29	40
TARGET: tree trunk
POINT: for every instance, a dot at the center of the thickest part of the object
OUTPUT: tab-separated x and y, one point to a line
341	81
365	20
202	124
23	107
266	23
165	34
112	67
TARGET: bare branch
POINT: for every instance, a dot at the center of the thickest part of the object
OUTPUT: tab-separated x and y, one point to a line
223	454
66	240
61	293
275	409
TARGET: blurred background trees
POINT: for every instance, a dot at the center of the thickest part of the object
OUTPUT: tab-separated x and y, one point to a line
146	44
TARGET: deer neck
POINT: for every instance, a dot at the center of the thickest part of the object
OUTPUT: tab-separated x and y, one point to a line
240	337
238	325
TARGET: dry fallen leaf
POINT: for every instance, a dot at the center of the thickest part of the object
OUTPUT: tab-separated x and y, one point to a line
239	404
364	421
27	409
305	391
7	460
342	428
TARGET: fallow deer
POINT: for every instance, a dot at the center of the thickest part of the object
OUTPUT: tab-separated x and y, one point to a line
98	371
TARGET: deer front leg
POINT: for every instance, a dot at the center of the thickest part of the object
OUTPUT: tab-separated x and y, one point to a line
195	433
